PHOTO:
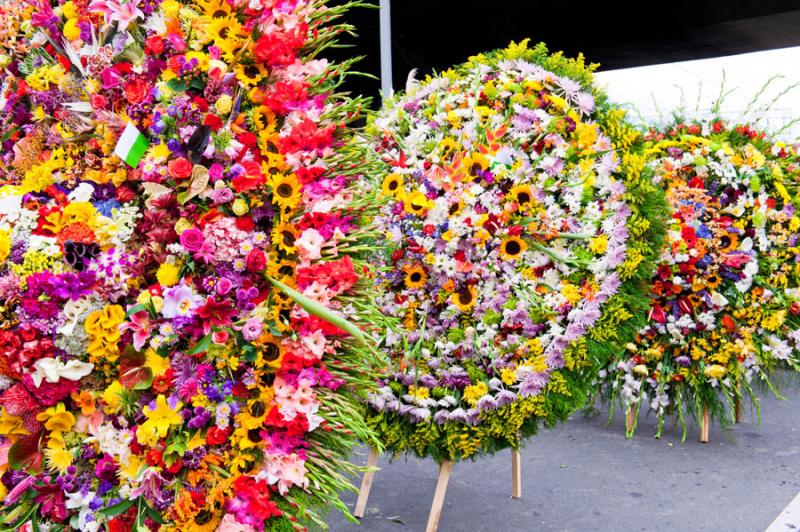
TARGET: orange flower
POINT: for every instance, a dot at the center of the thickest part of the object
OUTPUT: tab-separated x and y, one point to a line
728	323
85	401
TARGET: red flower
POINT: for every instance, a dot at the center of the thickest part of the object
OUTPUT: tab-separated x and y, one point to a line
154	44
689	236
256	495
728	323
180	168
213	121
657	314
136	91
284	96
245	223
279	49
256	261
217	436
215	312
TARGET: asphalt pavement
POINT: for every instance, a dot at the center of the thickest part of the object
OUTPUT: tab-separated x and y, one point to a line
586	476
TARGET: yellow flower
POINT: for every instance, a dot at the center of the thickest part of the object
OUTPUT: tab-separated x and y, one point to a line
417	203
113	396
58	459
5	245
250	75
415	276
283	236
477	162
474	392
419	392
57	418
715	371
285	190
10	425
168	274
240	207
512	248
599	244
392	185
508	376
465	298
71	30
522	196
224	104
586	134
158	364
159	421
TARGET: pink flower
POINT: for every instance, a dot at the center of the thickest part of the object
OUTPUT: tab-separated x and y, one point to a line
141	326
309	245
124	13
252	329
192	239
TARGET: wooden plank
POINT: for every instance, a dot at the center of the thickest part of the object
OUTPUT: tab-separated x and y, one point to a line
516	474
704	426
445	468
366	484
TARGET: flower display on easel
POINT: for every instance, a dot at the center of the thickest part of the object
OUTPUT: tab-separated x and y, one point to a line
181	242
724	300
519	229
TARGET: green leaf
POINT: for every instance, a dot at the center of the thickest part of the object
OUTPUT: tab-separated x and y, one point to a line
155	516
119	508
177	85
321	312
139	307
201	346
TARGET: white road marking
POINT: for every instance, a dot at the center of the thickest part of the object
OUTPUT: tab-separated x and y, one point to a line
789	518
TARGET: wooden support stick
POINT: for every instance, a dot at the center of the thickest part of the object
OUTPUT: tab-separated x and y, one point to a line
445	468
704	426
516	474
630	419
737	405
366	484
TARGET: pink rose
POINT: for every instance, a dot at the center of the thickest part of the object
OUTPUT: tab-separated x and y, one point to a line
192	239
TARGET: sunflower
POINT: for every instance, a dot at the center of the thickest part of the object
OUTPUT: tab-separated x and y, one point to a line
447	148
728	242
280	269
285	190
271	352
455	208
392	185
465	298
250	75
522	196
713	280
227	34
477	162
512	248
215	8
283	236
415	276
417	203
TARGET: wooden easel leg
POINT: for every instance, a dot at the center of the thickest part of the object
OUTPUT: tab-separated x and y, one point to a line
366	484
737	405
630	420
445	468
704	426
516	474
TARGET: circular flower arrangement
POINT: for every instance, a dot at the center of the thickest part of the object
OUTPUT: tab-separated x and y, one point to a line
150	375
724	299
519	229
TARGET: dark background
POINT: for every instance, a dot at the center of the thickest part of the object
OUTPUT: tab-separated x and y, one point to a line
434	34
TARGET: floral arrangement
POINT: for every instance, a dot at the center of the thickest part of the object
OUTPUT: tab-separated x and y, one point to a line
724	299
519	229
182	241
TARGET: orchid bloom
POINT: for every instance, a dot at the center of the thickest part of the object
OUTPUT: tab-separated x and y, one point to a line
52	370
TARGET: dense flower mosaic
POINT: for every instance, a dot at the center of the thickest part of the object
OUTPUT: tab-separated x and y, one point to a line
518	227
150	375
724	299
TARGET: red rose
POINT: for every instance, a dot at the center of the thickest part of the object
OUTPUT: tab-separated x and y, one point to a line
217	436
155	44
180	168
136	91
256	261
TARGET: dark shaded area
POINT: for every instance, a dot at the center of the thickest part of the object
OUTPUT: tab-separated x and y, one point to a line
434	34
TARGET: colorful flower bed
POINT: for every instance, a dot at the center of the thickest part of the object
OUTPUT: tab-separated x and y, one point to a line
724	299
519	232
150	374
